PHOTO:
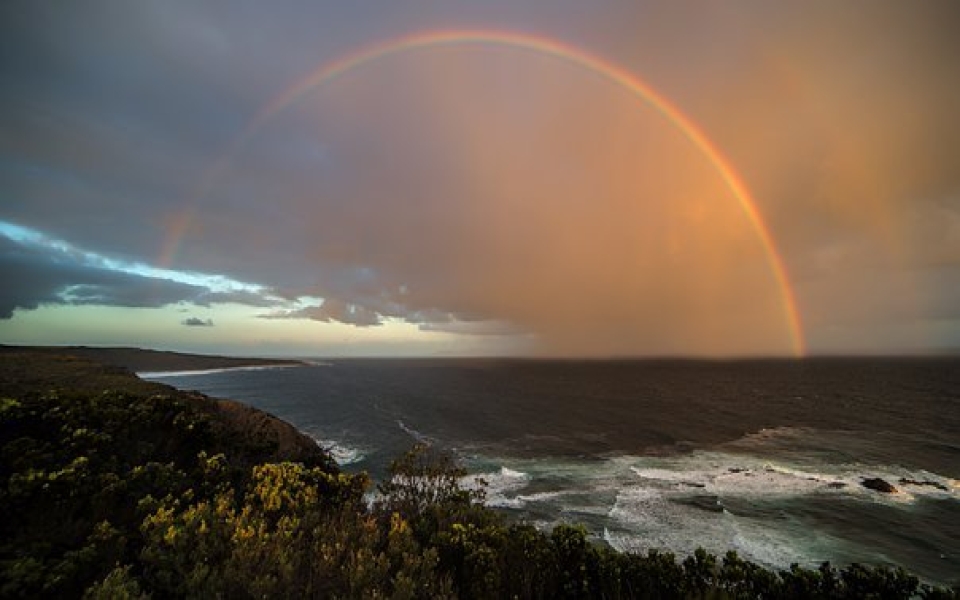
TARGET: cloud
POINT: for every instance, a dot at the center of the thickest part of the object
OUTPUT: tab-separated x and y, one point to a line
261	299
42	271
479	189
197	322
37	276
332	310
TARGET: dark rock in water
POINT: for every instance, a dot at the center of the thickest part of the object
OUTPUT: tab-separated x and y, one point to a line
879	485
736	470
934	484
706	503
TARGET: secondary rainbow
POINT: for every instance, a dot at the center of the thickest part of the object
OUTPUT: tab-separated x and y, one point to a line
606	69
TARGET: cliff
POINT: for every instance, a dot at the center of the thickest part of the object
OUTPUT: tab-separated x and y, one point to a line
261	436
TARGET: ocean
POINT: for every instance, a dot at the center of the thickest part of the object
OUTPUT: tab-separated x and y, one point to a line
765	457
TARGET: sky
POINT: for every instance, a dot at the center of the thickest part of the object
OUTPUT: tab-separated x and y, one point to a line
555	178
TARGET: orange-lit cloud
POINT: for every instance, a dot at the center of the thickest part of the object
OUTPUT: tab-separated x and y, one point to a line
560	204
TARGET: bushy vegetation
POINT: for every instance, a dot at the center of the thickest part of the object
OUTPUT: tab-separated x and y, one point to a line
122	494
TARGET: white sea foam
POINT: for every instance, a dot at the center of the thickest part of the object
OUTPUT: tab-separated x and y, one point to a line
499	485
341	453
195	372
662	510
544	496
418	436
522	500
507	472
712	499
646	518
732	475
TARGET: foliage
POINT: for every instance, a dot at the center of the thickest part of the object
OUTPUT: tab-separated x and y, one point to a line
81	470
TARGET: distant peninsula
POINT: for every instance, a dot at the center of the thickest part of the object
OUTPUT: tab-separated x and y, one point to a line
140	360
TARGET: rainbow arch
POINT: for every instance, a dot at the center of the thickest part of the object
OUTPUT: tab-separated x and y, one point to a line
329	71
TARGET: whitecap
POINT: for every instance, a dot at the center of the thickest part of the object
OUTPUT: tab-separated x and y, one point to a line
498	485
646	518
418	436
507	472
341	453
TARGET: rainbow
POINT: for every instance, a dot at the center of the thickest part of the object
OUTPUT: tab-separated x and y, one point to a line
328	72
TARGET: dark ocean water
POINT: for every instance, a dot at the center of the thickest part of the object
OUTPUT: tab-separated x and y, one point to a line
764	457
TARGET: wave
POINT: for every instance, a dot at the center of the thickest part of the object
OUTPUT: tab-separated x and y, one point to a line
416	435
729	501
755	478
195	372
510	473
646	518
716	499
341	453
497	485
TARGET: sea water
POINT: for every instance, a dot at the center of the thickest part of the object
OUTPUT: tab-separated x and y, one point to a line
763	457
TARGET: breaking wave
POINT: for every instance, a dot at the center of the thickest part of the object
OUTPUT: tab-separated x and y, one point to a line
341	453
718	499
421	438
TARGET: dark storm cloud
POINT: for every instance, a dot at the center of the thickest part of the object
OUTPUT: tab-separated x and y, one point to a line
197	322
36	275
246	298
333	310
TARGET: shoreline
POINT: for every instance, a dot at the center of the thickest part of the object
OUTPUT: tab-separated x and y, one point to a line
145	361
151	375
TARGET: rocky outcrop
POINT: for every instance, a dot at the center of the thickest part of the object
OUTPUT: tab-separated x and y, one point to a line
878	485
933	484
280	440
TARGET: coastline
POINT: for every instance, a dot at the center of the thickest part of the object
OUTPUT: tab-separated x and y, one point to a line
190	372
144	361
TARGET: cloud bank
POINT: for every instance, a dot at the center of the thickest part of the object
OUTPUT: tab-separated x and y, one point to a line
36	276
45	272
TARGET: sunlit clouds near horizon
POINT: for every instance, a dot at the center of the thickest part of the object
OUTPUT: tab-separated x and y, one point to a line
482	198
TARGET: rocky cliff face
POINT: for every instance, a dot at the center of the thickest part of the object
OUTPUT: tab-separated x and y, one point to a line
281	440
